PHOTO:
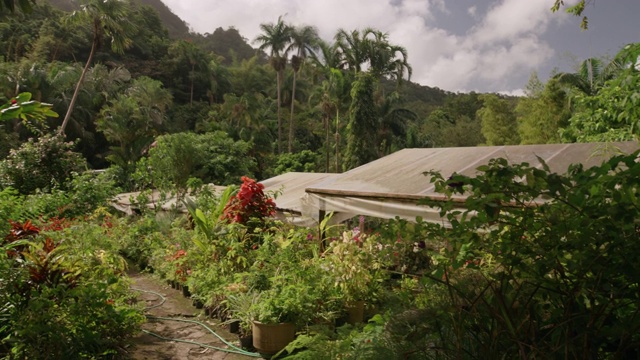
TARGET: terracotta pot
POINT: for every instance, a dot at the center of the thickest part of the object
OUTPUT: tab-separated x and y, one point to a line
271	338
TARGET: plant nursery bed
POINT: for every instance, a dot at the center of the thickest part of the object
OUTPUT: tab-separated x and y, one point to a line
150	347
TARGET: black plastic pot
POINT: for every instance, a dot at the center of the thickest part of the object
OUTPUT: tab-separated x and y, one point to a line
234	327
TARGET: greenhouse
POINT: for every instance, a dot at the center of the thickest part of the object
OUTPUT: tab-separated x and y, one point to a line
393	186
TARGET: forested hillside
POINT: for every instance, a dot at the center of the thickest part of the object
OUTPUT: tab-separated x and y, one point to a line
290	100
521	263
177	28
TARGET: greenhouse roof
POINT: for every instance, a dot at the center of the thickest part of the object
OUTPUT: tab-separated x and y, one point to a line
392	185
289	189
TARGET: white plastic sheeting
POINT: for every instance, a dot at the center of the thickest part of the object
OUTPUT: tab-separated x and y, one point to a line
128	202
393	185
289	190
346	207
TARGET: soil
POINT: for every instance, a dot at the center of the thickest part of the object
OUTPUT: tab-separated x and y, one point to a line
148	347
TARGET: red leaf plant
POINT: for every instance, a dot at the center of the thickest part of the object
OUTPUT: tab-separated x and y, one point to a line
249	203
19	231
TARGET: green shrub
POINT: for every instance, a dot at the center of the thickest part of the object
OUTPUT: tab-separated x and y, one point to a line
84	194
212	157
304	161
62	292
10	208
539	265
44	164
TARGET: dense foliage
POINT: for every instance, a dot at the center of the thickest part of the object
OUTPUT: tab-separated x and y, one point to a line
63	294
526	259
517	274
536	265
213	157
303	95
42	164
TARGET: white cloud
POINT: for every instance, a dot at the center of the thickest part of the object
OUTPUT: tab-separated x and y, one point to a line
505	40
472	11
515	92
510	19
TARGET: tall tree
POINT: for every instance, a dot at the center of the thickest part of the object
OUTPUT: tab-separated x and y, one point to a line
362	123
498	121
589	78
276	38
220	82
370	48
131	121
328	56
335	92
328	100
542	112
385	59
303	42
392	123
108	18
353	48
185	52
613	113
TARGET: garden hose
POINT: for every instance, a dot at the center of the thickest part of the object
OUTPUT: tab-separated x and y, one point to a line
164	299
232	348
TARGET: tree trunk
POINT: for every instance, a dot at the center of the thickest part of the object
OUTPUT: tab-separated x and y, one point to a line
78	85
293	102
326	143
193	75
337	142
278	75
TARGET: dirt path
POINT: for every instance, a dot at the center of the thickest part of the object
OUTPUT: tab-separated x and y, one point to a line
148	347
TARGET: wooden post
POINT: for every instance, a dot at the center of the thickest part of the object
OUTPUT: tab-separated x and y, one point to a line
321	230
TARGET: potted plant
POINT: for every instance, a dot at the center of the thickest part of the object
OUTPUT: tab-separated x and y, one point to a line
356	269
240	306
279	311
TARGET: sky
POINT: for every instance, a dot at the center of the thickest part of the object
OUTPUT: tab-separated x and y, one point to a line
455	45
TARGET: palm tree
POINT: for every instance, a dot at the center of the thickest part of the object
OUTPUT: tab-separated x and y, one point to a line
353	47
276	37
327	101
593	73
394	63
392	123
132	120
371	47
153	100
220	82
185	52
589	78
108	18
336	87
303	42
